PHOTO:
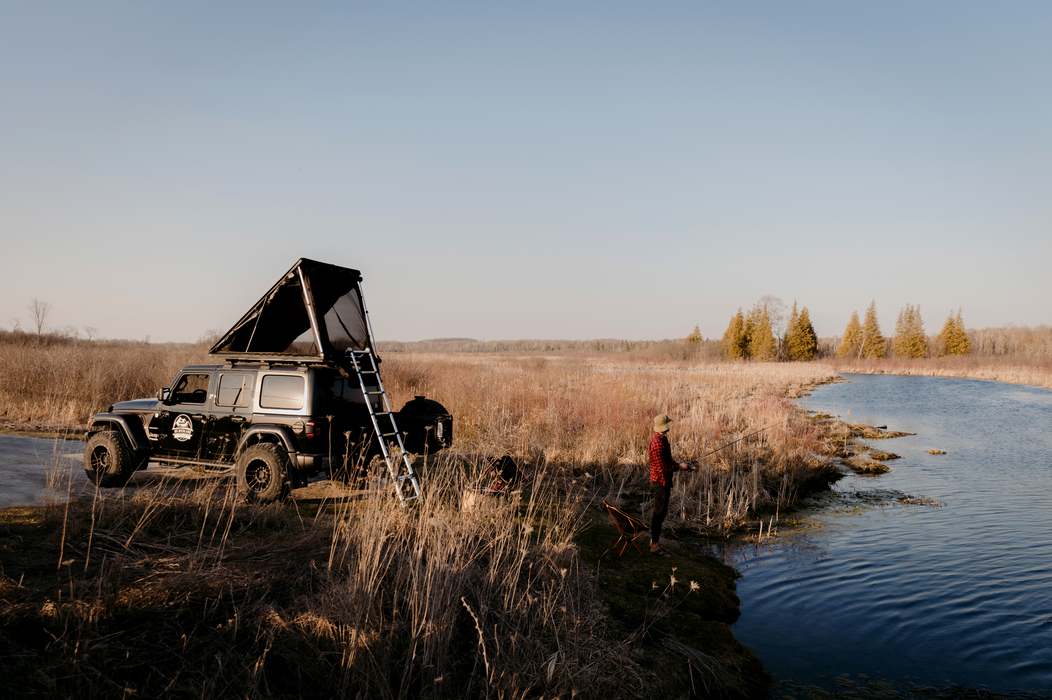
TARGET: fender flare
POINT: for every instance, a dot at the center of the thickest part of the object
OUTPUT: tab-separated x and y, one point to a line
254	434
134	431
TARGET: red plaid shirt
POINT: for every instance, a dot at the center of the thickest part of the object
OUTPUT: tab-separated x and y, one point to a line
661	464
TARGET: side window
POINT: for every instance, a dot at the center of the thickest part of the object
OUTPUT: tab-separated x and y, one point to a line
191	388
282	391
234	390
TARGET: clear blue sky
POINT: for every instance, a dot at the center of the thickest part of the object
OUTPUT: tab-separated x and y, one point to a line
546	170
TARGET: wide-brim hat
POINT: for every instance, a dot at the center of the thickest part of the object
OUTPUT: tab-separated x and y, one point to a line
662	423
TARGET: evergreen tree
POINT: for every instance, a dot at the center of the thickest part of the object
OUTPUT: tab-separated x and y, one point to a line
695	335
802	341
748	328
963	346
954	337
851	344
790	327
735	343
762	345
872	338
909	340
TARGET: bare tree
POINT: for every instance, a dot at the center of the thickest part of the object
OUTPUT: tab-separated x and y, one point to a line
16	325
775	311
91	332
39	311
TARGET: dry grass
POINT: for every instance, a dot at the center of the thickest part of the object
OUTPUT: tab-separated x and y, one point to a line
591	417
56	385
168	592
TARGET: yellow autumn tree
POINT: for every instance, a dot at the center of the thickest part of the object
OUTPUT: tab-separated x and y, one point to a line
695	336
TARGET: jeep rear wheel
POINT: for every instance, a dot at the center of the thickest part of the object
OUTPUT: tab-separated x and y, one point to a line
107	460
262	473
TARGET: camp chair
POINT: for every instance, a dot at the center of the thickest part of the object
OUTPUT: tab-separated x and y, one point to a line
629	527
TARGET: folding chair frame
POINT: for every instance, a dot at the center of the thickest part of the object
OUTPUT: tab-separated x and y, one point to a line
623	521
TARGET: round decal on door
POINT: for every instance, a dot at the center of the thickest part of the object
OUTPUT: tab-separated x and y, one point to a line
182	428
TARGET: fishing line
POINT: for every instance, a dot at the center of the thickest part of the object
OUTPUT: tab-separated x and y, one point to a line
737	441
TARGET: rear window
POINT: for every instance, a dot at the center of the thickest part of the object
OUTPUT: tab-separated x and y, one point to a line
282	391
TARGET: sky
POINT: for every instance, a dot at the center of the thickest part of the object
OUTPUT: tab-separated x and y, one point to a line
533	170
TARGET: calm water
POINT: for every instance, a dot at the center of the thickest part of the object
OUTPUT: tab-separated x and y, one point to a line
961	593
25	461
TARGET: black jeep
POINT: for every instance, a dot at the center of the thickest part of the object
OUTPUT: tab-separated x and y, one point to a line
298	393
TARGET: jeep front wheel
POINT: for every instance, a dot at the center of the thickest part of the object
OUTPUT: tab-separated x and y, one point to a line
107	459
262	473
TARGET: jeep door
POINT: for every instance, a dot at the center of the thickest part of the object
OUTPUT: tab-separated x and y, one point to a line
182	418
231	414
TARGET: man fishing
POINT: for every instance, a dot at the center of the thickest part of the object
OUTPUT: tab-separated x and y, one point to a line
661	469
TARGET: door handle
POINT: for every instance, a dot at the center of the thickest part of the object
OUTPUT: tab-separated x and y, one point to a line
198	416
238	419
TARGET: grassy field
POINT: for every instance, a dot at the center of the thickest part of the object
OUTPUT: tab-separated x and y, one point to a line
176	589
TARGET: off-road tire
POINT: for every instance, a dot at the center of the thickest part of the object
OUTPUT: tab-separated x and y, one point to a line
263	473
107	459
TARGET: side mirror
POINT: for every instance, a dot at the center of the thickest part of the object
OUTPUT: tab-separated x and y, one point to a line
162	394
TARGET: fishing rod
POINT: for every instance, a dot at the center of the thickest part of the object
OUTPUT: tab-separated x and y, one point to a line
756	432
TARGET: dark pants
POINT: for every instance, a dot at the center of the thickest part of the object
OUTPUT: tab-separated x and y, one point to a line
661	496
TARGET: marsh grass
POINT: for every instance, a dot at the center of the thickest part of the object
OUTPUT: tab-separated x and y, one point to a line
590	418
173	590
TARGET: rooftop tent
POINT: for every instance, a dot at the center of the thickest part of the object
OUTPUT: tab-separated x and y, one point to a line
314	313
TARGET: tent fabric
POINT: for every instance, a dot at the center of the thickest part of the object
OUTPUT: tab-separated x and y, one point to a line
315	312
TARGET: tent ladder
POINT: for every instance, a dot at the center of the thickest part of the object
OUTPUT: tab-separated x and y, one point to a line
399	467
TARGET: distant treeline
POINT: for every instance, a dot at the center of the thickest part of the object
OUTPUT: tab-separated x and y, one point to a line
1005	341
655	349
64	337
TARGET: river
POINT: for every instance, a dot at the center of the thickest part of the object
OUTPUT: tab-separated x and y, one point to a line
928	595
25	463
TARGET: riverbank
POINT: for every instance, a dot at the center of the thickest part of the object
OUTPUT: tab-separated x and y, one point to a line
1035	371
